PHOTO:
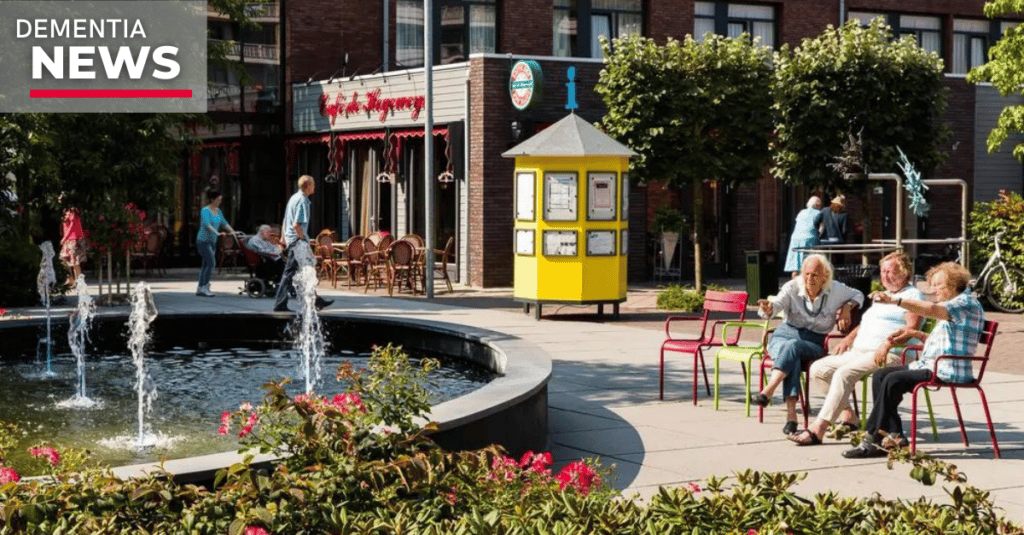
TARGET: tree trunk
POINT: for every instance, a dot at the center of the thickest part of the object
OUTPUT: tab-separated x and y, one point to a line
698	231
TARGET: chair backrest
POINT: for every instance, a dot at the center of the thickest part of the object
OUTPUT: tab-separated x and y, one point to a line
375	237
227	243
401	253
726	302
370	249
354	249
324	240
414	239
988	335
385	242
449	251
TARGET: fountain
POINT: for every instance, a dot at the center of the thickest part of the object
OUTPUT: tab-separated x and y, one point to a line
78	334
47	278
309	341
143	313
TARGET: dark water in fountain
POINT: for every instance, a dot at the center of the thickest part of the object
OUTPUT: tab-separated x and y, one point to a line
194	386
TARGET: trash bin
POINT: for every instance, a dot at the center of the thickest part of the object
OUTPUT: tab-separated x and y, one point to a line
762	275
857	276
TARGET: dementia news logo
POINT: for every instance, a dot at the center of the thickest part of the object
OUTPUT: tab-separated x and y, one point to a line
103	56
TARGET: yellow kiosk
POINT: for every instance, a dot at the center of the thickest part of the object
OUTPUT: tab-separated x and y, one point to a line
571	217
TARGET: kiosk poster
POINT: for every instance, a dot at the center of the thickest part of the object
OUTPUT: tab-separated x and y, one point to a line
560	196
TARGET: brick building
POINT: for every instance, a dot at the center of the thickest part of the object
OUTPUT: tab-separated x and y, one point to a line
352	110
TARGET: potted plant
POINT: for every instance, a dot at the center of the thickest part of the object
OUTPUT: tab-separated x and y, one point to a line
669	223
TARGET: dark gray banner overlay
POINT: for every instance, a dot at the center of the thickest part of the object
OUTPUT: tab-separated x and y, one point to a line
103	56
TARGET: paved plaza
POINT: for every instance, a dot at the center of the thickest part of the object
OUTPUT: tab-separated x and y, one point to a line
603	396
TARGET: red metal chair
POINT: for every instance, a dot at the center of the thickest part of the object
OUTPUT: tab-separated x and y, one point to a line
988	334
734	302
803	396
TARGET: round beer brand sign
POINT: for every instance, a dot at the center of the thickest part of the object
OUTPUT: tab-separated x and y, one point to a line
525	84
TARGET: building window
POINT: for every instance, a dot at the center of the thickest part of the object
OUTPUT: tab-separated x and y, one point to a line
732	20
578	25
970	44
463	27
926	30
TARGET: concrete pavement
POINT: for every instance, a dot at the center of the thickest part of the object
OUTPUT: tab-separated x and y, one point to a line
603	397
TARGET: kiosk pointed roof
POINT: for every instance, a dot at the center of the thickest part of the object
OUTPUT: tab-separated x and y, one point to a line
571	136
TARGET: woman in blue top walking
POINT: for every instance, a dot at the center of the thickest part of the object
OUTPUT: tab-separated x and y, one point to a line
211	219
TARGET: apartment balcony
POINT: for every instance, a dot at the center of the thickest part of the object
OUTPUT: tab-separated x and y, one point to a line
222	97
269	12
250	52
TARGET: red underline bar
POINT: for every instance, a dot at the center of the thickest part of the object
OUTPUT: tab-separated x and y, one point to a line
110	93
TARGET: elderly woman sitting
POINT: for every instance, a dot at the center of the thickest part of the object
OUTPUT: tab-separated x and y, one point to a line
866	349
263	243
957	332
811	303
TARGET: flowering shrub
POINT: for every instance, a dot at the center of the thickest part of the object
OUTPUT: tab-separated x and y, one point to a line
118	232
348	472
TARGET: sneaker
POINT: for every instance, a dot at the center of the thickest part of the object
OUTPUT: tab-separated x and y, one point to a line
867	449
322	303
205	291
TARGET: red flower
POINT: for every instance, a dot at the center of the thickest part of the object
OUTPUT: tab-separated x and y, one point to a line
3	311
256	530
694	488
8	475
249	423
579	476
49	453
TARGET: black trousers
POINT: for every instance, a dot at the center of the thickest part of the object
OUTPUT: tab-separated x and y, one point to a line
889	386
291	266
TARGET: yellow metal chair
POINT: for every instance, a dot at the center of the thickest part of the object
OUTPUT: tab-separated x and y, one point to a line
744	352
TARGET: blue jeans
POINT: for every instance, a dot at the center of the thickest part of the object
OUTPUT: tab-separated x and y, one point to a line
206	249
790	348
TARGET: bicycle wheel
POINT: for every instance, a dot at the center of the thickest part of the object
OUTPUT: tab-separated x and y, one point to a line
1005	294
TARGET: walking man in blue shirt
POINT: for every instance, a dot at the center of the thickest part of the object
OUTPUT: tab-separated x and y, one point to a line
296	235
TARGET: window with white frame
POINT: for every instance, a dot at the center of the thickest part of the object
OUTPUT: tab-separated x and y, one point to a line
733	19
970	44
926	29
578	25
463	27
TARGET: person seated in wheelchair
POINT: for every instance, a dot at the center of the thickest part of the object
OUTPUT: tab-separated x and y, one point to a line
271	263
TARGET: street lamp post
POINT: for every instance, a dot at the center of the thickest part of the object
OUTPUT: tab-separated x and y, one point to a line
428	143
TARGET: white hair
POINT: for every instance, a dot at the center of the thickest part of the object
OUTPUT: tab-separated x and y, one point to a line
814	200
263	230
829	271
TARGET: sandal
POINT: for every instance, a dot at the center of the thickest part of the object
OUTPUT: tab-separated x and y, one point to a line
805	438
789	428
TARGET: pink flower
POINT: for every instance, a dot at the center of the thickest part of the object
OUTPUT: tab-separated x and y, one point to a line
246	406
49	453
249	423
694	488
751	531
3	311
8	475
348	402
579	476
450	496
225	423
256	530
536	462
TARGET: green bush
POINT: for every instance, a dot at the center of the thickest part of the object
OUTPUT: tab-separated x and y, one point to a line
988	218
19	267
684	298
349	473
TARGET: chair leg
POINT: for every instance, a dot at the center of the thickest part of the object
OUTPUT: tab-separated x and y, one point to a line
959	417
746	382
702	367
988	419
913	421
696	355
806	405
760	382
931	415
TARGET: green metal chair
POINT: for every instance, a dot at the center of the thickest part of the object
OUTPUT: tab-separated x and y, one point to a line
744	352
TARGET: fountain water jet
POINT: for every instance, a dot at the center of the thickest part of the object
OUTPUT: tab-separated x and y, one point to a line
143	313
309	340
44	282
78	334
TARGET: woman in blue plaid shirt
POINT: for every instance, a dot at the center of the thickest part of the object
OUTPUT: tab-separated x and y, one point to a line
960	324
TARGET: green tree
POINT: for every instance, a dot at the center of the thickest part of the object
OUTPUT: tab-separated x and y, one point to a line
857	81
1005	70
692	111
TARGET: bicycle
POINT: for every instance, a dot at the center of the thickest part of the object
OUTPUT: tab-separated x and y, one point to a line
1003	285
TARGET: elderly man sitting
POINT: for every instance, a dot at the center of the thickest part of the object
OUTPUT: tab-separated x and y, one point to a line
866	349
957	332
813	304
263	243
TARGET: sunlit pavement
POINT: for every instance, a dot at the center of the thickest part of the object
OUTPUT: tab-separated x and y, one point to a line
603	396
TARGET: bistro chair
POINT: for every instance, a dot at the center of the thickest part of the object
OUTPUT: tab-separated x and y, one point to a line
228	250
375	268
401	265
746	353
730	302
352	262
446	256
988	335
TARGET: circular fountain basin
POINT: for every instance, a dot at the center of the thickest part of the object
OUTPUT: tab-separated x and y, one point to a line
510	410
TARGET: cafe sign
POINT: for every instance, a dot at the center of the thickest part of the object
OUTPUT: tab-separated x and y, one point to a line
526	84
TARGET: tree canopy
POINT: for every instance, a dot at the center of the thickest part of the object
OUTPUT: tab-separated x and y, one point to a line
1005	70
857	81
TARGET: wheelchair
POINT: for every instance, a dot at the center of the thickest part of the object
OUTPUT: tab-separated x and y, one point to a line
264	273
